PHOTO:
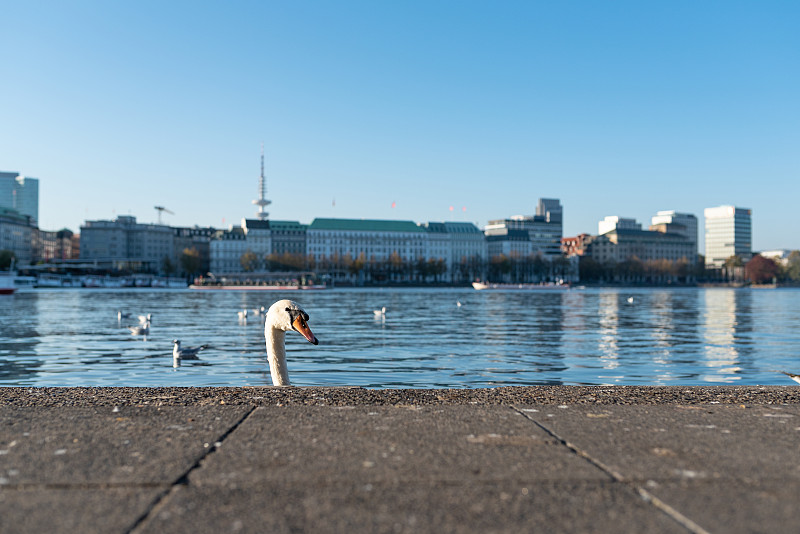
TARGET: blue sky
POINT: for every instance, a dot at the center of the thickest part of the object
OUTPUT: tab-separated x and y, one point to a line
616	108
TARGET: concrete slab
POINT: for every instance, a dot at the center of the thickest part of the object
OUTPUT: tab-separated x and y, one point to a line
683	442
71	509
399	469
410	507
570	459
129	445
737	506
724	468
369	444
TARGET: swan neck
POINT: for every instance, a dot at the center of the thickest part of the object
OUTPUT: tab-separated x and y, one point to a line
276	355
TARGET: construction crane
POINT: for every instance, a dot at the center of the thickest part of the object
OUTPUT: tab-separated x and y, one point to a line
160	210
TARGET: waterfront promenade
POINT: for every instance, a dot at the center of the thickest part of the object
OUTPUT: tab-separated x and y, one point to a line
514	459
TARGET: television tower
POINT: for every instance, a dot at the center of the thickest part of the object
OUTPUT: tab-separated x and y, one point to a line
262	202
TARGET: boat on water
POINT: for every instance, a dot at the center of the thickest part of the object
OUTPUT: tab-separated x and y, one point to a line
259	287
259	282
57	280
7	285
519	287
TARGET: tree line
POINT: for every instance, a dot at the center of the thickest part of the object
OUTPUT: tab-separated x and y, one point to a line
346	268
758	270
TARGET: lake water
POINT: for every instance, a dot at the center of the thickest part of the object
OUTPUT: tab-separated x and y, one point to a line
682	336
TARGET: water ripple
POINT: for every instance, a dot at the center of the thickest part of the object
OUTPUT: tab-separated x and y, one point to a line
682	336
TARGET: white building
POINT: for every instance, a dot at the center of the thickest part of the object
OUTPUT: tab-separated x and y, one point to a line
615	222
458	243
623	244
681	223
375	239
780	256
226	249
728	233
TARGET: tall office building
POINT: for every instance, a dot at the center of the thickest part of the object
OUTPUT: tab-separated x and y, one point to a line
672	222
728	233
20	193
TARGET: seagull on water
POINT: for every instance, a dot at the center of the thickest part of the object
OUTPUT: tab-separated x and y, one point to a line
145	318
380	313
141	329
184	353
242	315
630	300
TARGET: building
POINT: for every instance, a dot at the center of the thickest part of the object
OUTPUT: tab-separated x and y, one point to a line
264	238
20	193
190	240
461	245
623	244
728	233
226	249
671	221
779	256
386	247
288	237
54	246
17	234
575	246
545	230
124	244
375	239
615	222
511	243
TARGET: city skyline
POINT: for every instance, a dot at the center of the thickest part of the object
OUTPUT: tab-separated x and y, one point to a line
624	109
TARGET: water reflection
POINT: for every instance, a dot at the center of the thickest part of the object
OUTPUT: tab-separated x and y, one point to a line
727	324
18	337
425	339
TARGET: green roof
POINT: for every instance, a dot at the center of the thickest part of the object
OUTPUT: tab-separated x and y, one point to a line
365	225
286	225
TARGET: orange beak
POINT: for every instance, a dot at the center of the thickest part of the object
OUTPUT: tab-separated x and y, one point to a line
301	326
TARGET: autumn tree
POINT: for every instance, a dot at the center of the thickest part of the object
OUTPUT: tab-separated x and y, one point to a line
249	261
191	262
760	270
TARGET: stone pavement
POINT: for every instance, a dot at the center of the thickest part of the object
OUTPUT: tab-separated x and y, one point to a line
520	459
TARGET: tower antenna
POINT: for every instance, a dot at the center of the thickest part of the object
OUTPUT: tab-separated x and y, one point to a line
262	202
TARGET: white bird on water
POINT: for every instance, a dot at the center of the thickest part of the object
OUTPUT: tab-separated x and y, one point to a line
380	313
242	315
145	318
141	329
282	316
184	353
630	300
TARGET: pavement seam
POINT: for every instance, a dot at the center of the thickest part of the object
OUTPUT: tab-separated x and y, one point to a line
183	479
648	497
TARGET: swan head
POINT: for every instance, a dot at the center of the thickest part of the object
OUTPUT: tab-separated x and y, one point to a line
288	315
